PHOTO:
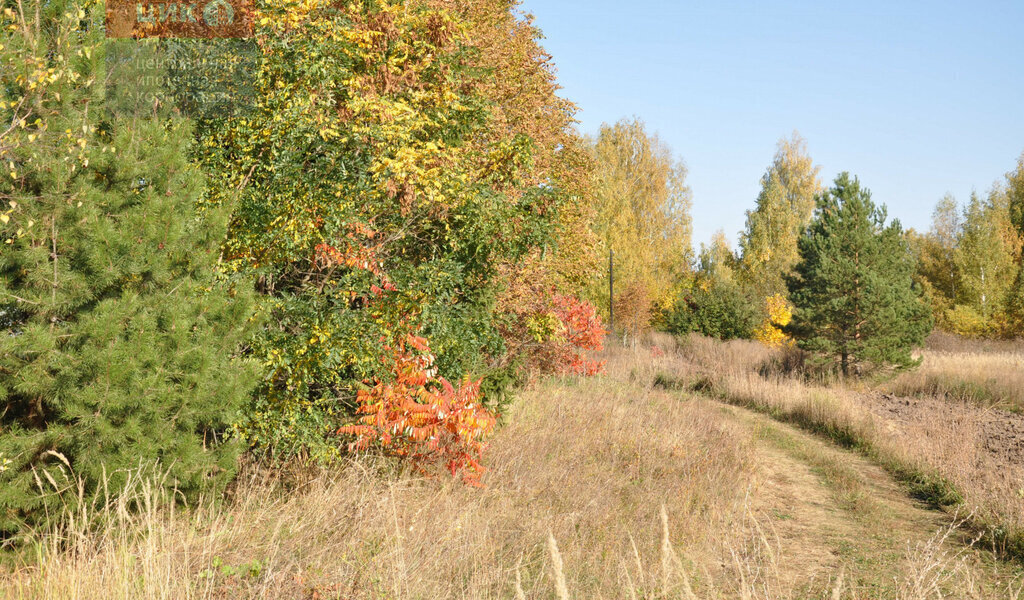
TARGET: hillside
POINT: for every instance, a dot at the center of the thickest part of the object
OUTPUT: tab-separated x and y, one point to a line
606	487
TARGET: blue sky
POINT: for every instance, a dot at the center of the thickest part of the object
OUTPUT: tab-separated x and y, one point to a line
917	99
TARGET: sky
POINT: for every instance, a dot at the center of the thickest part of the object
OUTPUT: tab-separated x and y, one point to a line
918	99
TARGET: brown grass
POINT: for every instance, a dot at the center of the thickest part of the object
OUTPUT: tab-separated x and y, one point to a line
598	488
942	454
985	378
592	484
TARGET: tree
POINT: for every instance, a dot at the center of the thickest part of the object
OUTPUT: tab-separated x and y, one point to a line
118	350
713	303
643	211
768	245
715	308
384	187
856	303
936	254
717	261
1015	192
939	259
986	257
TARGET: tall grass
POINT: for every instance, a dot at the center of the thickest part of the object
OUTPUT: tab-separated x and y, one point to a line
984	378
598	474
598	488
943	458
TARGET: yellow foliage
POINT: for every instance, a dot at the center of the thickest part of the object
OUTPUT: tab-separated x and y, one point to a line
770	331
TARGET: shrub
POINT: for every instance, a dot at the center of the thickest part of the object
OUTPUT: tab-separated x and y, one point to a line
720	310
420	416
778	314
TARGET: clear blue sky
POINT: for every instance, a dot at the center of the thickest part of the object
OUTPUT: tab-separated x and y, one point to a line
916	98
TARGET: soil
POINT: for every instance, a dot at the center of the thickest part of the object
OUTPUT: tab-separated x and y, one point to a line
1001	431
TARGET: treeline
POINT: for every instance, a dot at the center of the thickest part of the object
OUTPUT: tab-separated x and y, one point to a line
971	262
792	280
392	229
391	225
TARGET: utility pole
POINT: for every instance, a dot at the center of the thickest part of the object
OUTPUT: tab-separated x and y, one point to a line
611	292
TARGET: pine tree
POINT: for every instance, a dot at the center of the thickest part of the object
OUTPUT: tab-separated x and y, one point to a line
117	346
856	303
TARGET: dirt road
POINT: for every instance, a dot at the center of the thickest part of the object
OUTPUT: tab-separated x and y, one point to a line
831	512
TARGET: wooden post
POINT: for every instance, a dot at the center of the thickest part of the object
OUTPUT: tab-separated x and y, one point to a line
611	292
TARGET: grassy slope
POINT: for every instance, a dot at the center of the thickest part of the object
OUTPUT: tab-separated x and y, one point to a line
599	488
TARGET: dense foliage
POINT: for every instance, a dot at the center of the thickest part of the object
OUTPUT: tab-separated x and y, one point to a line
856	303
384	187
118	342
718	309
971	261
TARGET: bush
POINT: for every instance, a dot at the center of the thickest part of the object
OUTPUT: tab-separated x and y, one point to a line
719	310
423	417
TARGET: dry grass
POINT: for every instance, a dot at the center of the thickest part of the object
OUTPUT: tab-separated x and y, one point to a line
598	488
985	378
942	453
592	485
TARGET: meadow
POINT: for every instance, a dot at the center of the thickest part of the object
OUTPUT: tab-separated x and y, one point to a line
640	483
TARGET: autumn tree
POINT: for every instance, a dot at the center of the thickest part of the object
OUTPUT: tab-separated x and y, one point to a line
856	302
939	258
643	211
521	90
384	183
986	260
716	260
768	245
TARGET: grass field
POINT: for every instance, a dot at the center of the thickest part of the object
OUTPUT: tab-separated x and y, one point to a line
608	487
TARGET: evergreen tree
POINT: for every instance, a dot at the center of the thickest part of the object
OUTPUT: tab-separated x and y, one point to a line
117	341
856	303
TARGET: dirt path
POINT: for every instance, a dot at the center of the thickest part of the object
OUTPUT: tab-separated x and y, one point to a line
833	511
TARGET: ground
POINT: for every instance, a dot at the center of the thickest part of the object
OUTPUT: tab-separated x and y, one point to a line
656	480
836	512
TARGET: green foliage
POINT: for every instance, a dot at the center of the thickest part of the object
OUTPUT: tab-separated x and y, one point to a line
373	200
964	320
1015	193
970	262
716	309
118	338
856	303
985	256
